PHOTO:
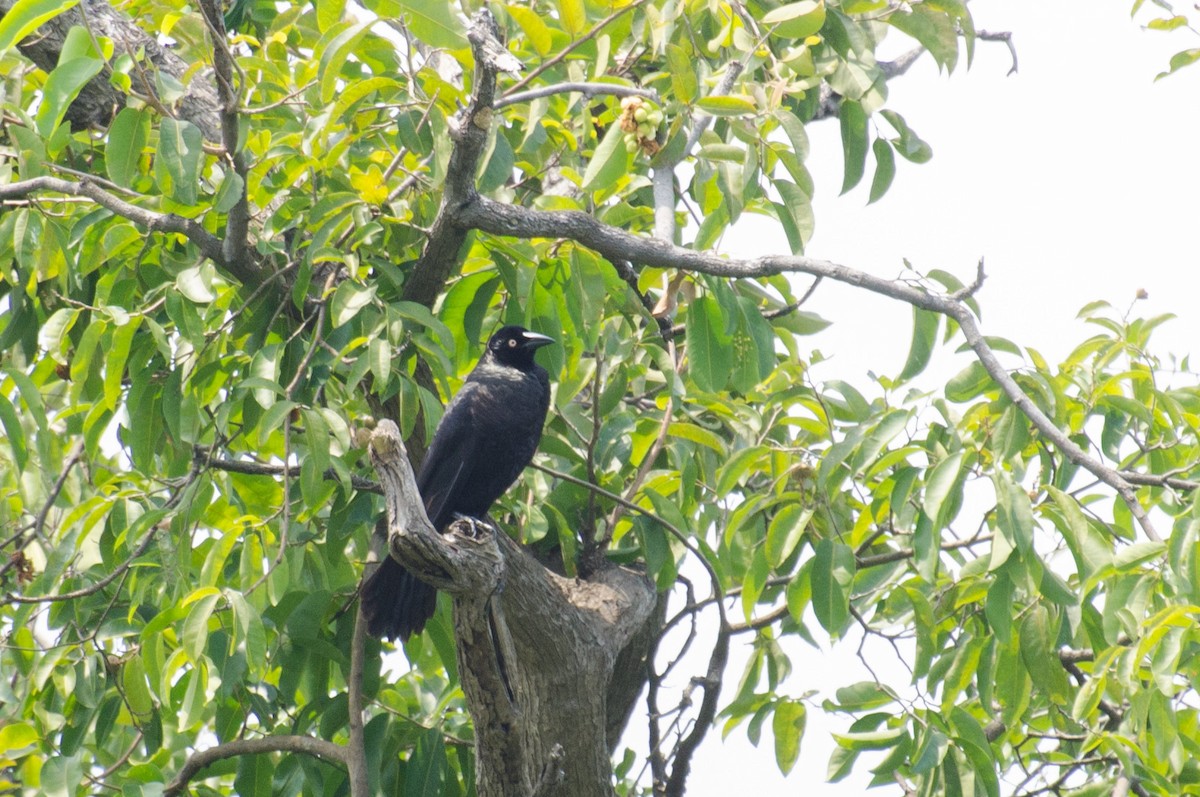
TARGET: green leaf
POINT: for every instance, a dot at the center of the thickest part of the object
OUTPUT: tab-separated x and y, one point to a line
127	137
14	433
832	575
335	47
573	16
796	20
232	190
195	627
974	744
62	87
1131	556
1092	551
942	479
785	531
999	607
434	23
728	105
1038	635
863	696
1179	61
909	144
329	13
348	299
136	687
426	770
52	336
114	361
925	332
609	162
536	30
796	215
26	16
177	161
683	74
16	739
710	347
854	143
254	774
196	283
1167	23
794	129
968	383
885	169
788	728
934	28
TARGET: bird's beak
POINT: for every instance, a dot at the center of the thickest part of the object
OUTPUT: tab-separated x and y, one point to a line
534	340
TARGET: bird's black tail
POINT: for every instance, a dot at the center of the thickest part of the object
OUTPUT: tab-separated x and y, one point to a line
395	603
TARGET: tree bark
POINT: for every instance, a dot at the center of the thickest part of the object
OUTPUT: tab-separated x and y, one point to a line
537	652
99	100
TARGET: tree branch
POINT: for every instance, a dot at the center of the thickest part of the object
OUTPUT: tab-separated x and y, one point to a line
1001	36
307	745
359	483
469	129
586	89
615	244
237	221
356	750
210	246
116	573
566	51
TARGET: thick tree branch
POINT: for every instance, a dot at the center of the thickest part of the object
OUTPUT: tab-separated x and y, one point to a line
536	651
616	245
466	561
237	221
306	745
209	245
469	129
356	750
100	99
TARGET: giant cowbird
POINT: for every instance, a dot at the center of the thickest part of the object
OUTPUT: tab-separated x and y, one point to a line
485	439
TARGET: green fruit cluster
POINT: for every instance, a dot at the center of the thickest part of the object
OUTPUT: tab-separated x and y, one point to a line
640	120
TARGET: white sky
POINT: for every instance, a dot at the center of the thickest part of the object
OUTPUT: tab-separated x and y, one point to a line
1077	179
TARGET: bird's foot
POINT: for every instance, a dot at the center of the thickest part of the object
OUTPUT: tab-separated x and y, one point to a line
472	527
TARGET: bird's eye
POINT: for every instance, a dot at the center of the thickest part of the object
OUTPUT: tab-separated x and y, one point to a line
512	343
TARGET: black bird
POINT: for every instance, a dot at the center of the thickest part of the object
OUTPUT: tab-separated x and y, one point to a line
486	437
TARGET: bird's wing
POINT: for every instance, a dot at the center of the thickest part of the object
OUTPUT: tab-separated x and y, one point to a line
444	470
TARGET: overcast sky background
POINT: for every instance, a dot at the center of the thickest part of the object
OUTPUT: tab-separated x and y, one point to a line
1076	178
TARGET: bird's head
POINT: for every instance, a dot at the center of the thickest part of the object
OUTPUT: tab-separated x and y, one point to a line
514	346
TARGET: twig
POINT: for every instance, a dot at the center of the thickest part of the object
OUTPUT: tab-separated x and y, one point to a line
586	89
83	592
591	34
39	524
208	244
360	483
1006	37
307	745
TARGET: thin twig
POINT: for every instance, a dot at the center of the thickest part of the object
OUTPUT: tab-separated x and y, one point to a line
591	34
307	745
586	89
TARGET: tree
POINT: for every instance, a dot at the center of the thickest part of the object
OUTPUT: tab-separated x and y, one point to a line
226	259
